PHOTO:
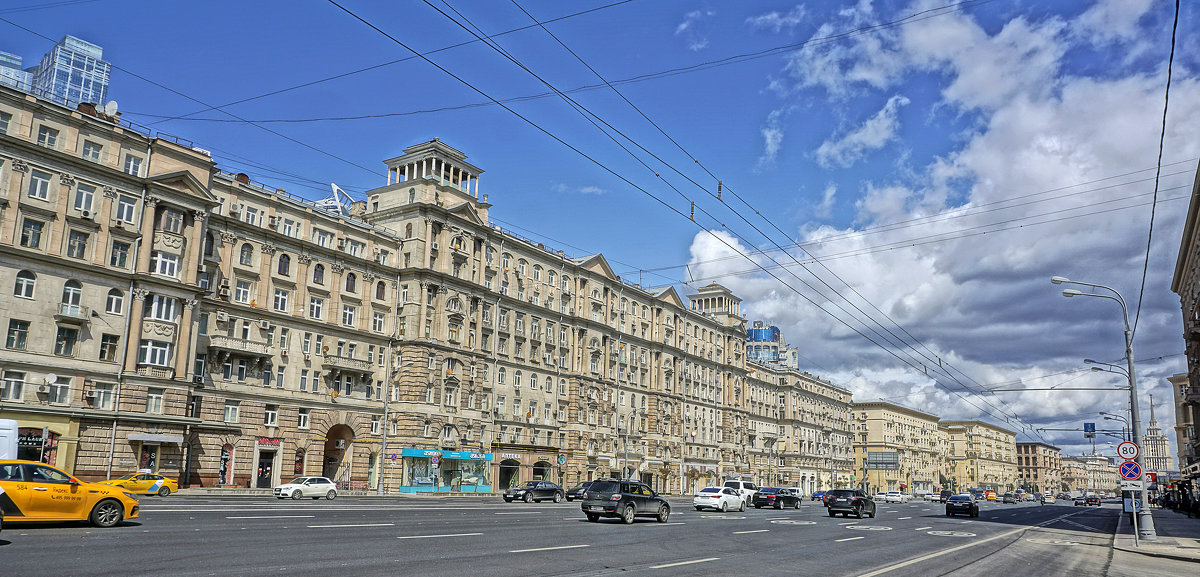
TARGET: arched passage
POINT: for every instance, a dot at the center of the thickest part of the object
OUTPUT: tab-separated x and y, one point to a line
337	446
509	476
541	471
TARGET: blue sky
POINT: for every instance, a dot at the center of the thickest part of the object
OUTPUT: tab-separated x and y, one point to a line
941	160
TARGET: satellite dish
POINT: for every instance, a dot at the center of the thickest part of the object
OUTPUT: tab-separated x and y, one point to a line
110	109
51	378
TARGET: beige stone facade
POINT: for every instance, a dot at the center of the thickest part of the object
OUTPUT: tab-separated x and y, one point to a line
1185	428
897	448
982	455
1039	467
1090	474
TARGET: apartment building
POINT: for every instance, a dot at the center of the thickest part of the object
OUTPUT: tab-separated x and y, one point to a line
1186	284
982	455
897	448
1039	467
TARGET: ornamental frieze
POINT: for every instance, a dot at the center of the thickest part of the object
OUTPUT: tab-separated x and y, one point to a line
158	329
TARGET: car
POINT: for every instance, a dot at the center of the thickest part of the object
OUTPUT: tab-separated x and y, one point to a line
990	495
578	491
1048	500
744	488
797	491
33	491
300	487
1081	500
1063	496
720	498
881	497
775	497
1009	498
145	483
1093	500
898	497
945	494
850	501
929	497
818	496
960	504
534	491
624	500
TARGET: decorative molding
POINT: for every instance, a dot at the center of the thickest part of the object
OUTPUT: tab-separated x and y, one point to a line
66	179
268	248
189	304
337	267
228	237
369	277
199	215
110	192
158	328
19	165
304	258
140	294
152	201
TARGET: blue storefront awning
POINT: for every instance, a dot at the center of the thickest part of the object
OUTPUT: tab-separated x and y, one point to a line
446	454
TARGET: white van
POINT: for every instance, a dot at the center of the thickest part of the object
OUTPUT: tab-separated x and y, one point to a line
8	439
746	489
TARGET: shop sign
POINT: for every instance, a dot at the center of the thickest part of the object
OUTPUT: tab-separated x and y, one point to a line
510	456
268	442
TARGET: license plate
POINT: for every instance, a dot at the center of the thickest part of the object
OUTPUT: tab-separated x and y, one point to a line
594	508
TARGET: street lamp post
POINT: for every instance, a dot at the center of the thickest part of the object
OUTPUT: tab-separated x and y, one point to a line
1143	519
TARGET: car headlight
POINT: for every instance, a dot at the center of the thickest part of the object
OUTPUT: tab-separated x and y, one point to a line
131	496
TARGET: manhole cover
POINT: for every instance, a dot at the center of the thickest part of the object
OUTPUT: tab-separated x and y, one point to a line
722	517
951	533
788	522
868	528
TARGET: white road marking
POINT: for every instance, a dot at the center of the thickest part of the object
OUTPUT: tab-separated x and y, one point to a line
902	518
273	517
548	548
359	525
522	513
754	531
848	523
436	536
776	518
847	539
922	528
684	563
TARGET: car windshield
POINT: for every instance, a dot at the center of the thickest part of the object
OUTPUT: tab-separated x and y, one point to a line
734	484
126	477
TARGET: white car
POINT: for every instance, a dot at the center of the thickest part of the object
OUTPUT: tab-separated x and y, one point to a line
880	497
1049	500
719	498
797	491
315	487
929	497
898	497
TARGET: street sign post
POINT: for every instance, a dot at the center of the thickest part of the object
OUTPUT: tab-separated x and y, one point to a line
1130	470
1128	451
1089	430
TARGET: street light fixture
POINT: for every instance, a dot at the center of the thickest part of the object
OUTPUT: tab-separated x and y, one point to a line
1143	520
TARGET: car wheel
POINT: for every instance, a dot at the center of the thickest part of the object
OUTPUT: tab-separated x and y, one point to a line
832	514
699	508
558	497
797	505
507	500
627	515
528	497
724	506
779	504
107	513
664	512
742	507
297	495
593	517
331	494
858	512
164	491
872	514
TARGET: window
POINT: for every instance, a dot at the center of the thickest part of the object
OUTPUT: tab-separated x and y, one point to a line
164	264
18	334
119	257
271	415
14	382
133	165
64	341
125	206
231	411
322	237
380	290
302	419
304	381
60	390
241	291
115	303
5	118
47	137
108	347
281	300
91	151
374	425
377	322
246	255
104	396
354	248
319	274
316	308
285	265
25	285
252	216
351	283
31	233
348	313
154	401
84	195
160	308
77	243
171	220
156	353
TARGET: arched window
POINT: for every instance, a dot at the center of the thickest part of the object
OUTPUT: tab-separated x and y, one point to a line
532	382
115	304
566	282
72	291
380	290
319	274
506	261
521	267
549	384
351	282
26	283
285	264
537	272
517	379
246	255
408	230
500	375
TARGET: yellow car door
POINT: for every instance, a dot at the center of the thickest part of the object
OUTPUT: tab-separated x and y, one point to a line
52	495
14	501
139	484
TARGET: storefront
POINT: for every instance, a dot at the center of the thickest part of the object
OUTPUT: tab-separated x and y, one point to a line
434	471
49	439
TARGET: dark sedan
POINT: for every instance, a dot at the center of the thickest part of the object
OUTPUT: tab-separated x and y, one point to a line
1093	500
775	497
578	492
534	491
961	504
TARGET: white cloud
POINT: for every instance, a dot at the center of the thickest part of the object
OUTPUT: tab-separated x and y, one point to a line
692	29
873	134
596	190
775	21
825	208
772	141
1110	21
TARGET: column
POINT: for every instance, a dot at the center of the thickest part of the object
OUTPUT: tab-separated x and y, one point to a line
193	259
147	232
265	268
183	342
135	330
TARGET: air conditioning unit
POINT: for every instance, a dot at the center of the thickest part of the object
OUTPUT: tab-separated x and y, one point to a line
89	394
118	224
234	209
341	244
222	316
86	214
307	357
225	283
43	388
264	325
223	291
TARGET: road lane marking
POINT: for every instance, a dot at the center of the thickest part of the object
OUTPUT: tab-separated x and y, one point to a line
358	525
522	513
684	563
436	536
848	523
273	517
922	528
902	518
548	548
754	531
847	539
776	518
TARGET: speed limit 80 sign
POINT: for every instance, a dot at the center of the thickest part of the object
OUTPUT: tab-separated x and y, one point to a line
1127	451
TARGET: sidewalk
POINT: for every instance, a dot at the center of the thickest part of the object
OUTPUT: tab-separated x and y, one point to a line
246	492
1178	536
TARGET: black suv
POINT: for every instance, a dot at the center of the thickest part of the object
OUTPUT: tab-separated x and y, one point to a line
849	501
945	495
534	491
624	500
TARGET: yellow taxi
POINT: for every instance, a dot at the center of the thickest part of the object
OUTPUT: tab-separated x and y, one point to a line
34	491
145	484
990	495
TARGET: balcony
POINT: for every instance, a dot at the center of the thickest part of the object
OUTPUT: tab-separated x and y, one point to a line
334	362
73	314
224	343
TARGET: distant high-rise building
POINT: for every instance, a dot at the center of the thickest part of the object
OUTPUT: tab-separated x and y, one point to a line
11	72
766	344
73	71
1155	445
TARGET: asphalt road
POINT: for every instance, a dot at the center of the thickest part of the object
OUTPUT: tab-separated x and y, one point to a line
217	536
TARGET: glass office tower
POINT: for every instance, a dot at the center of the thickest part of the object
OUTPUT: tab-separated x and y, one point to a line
73	72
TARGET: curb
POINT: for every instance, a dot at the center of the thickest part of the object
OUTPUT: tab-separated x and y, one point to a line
1117	536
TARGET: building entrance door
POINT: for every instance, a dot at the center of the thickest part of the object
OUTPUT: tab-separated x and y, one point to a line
266	460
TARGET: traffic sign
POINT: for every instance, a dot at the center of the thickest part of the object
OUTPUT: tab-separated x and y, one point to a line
1089	430
1130	470
1127	485
1128	451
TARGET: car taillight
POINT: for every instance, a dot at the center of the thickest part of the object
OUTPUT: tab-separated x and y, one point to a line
615	497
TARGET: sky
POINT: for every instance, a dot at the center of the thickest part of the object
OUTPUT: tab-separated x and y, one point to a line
891	183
